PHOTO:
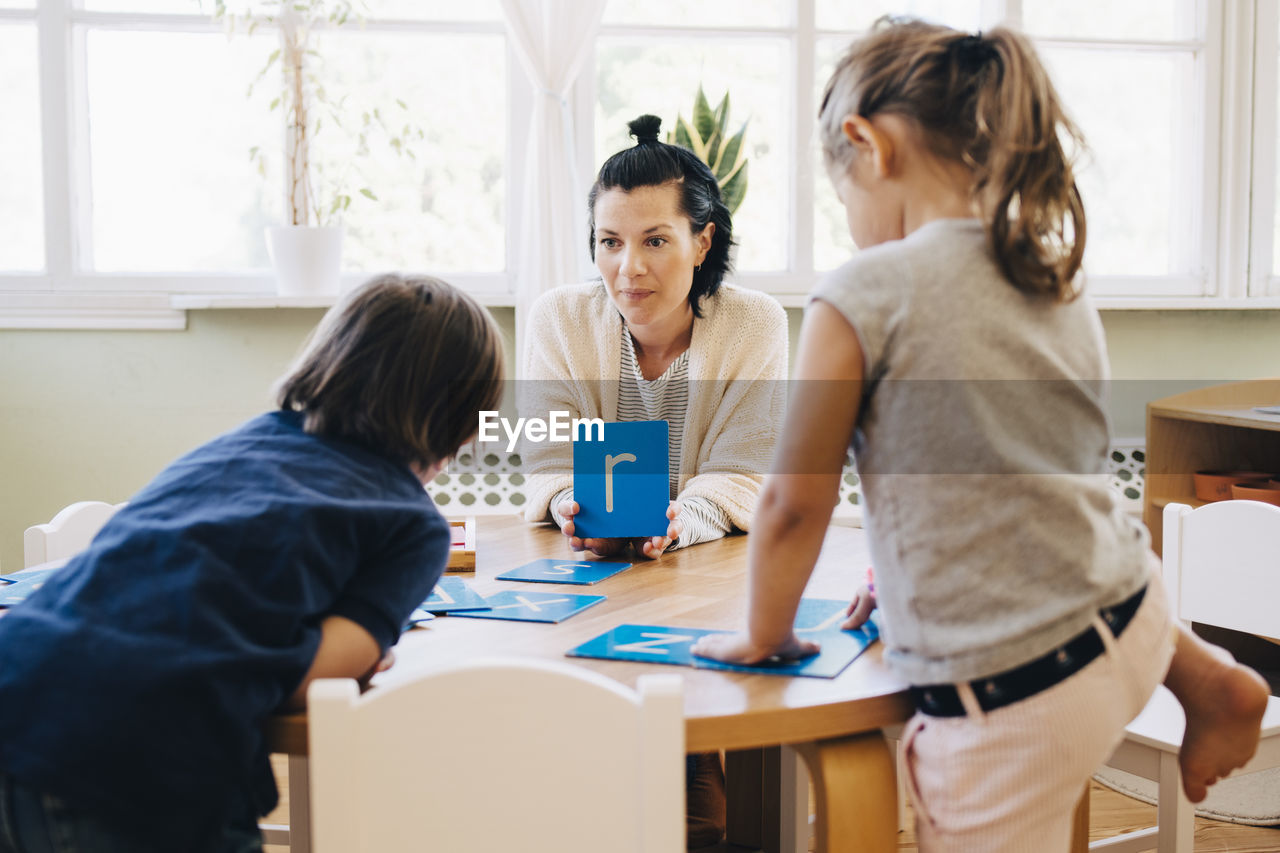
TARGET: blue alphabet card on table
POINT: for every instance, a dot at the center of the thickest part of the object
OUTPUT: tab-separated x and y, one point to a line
582	572
820	614
665	644
417	617
29	575
621	483
533	606
647	643
452	595
16	593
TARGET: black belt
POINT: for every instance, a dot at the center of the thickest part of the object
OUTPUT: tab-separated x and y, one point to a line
943	700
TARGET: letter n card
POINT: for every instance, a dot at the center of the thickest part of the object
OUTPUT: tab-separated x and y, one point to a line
621	484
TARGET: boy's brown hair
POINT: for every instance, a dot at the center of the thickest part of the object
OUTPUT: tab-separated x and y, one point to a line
401	365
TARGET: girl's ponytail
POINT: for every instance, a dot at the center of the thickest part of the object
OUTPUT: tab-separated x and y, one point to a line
1025	183
986	101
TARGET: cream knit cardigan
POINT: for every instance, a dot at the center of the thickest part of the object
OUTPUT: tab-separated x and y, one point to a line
737	373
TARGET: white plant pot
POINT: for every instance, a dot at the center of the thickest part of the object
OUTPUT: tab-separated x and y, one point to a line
307	259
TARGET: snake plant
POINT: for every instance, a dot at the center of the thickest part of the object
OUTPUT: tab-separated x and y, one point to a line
707	136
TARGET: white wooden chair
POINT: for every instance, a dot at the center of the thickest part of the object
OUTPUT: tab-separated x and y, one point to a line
499	754
69	533
1221	567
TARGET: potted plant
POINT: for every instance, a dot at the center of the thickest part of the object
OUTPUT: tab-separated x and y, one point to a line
306	251
707	135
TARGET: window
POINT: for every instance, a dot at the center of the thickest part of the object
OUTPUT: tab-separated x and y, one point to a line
125	160
150	184
21	202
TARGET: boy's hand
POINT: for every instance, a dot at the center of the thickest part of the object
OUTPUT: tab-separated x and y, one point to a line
384	663
738	648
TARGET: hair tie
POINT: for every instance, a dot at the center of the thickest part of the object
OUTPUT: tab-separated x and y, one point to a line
972	51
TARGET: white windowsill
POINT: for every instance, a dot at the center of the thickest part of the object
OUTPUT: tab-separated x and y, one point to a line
159	310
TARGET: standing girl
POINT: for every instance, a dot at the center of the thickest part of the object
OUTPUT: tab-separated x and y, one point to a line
956	357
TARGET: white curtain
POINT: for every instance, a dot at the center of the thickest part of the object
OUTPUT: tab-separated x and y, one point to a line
553	39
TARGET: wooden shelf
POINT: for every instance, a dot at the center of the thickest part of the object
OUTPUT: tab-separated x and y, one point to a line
1215	428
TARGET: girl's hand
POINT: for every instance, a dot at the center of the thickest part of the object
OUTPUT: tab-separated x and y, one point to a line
653	547
738	648
859	609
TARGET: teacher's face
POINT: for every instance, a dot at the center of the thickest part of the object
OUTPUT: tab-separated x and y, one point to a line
646	253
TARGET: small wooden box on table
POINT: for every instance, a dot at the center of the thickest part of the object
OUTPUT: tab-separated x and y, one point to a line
462	549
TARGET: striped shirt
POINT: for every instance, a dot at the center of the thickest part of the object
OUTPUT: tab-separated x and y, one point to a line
665	398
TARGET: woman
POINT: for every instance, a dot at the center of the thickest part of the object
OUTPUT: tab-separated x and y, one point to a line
660	337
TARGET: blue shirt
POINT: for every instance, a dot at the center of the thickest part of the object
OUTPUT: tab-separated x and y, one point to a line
136	681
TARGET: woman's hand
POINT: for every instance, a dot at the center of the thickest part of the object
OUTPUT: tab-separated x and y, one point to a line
653	547
599	547
859	609
738	648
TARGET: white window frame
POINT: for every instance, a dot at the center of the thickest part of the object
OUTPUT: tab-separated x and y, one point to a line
1235	93
65	295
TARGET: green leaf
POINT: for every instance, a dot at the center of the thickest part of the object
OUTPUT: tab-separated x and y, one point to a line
722	113
703	119
368	193
682	133
729	154
735	189
275	103
402	104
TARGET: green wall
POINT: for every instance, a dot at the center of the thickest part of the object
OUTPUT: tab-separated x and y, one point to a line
95	414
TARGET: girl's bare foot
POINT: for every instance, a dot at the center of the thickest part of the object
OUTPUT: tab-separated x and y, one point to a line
1224	702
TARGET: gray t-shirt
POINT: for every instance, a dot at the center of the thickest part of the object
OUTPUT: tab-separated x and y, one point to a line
981	442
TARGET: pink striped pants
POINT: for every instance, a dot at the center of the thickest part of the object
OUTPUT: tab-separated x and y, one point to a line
1007	781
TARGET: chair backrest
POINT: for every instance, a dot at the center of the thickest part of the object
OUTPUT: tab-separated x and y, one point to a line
69	533
498	754
1222	564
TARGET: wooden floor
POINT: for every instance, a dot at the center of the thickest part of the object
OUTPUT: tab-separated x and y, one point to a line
1111	814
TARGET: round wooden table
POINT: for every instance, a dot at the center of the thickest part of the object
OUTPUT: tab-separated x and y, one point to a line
834	724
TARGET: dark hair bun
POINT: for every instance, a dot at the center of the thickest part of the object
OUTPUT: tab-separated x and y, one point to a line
645	128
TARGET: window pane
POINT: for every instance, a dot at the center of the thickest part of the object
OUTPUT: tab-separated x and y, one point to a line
416	10
435	10
636	77
832	244
165	7
1145	20
705	13
442	209
1125	105
849	17
21	205
1275	238
170	129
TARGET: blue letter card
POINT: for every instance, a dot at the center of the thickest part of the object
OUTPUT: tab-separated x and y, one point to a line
583	572
659	644
622	483
647	643
418	616
29	575
451	595
18	592
533	606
